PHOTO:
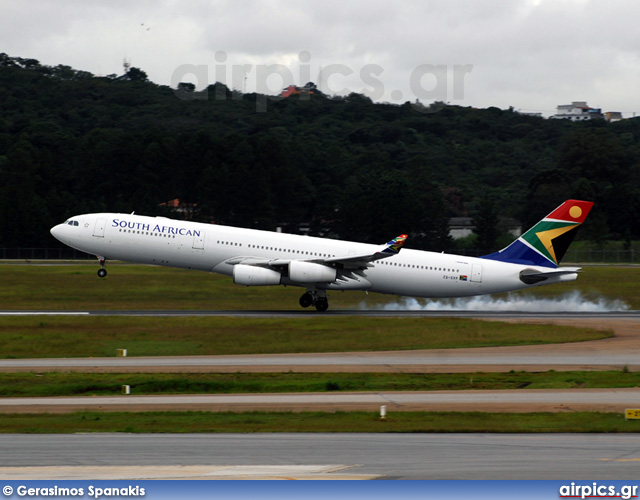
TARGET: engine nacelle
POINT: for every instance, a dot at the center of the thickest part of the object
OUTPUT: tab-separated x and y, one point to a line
308	272
255	276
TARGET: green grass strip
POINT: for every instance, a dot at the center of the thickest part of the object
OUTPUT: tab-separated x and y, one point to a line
105	384
400	422
84	336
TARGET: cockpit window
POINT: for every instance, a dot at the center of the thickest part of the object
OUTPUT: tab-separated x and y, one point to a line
72	223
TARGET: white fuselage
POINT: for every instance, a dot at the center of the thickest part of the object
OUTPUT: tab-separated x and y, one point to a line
214	248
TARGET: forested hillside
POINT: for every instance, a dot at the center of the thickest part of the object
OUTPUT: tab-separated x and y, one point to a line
71	142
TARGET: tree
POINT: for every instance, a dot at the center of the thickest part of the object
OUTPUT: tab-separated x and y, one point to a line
136	75
71	142
486	224
377	206
186	87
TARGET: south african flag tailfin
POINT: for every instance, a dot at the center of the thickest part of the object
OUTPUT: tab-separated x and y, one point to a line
546	243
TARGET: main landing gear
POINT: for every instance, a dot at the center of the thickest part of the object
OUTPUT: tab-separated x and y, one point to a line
102	272
317	298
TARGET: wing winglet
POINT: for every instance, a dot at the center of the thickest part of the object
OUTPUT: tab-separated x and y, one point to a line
396	244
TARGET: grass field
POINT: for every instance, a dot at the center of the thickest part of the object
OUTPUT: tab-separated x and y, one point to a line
27	337
208	422
76	287
93	384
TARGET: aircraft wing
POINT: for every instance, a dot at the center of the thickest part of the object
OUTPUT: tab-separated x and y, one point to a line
389	249
343	262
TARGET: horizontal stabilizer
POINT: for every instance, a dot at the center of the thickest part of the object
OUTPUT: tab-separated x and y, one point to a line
533	276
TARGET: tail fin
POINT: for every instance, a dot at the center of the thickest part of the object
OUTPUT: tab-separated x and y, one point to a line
546	243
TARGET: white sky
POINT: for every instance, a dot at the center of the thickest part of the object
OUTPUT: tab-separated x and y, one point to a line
529	54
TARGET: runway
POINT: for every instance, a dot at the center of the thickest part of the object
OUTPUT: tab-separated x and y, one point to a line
389	456
298	313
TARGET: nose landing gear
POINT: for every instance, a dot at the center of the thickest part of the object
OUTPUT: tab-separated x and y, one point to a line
317	298
102	272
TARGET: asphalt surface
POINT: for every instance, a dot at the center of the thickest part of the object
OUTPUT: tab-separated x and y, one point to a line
486	359
401	456
605	400
297	313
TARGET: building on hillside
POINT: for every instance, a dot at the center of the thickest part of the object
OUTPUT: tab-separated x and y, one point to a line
186	210
613	116
295	90
577	111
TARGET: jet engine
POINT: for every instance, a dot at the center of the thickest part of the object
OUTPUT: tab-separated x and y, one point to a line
308	272
255	276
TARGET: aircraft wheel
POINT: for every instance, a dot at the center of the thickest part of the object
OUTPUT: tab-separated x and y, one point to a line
306	300
102	273
322	305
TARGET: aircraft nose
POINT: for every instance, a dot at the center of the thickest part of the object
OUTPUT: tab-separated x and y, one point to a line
56	232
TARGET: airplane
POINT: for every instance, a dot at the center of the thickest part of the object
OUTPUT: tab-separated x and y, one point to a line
264	258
